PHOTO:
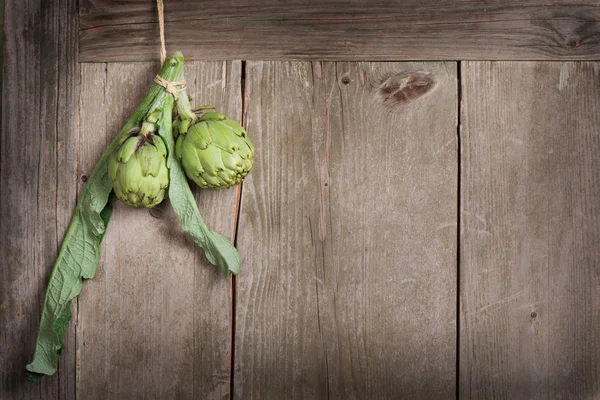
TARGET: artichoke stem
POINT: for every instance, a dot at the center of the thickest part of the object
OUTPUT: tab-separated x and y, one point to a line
147	128
184	108
184	126
204	107
154	116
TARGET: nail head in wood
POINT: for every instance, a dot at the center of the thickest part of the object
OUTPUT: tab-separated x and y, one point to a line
155	212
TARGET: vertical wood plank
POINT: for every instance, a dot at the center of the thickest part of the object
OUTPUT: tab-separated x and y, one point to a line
93	141
155	322
530	222
218	84
38	164
348	235
66	128
23	278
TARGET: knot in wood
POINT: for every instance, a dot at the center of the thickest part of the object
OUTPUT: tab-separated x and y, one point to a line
404	88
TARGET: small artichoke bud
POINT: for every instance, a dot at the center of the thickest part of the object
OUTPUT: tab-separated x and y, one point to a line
138	170
215	152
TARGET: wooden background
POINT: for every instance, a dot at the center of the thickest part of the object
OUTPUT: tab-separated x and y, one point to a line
433	247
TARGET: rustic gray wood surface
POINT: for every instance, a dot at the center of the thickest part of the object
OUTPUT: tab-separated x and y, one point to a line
155	322
348	235
38	181
530	240
347	229
363	30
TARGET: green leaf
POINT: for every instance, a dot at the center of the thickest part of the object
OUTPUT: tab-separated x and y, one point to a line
92	205
80	251
218	249
78	259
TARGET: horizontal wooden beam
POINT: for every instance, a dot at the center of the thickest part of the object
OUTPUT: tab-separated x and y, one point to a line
125	30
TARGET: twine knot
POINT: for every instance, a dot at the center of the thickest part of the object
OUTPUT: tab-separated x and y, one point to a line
170	87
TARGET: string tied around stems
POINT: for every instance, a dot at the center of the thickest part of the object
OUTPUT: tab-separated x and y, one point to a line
170	87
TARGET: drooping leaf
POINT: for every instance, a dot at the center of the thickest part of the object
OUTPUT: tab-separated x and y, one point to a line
78	259
80	251
218	249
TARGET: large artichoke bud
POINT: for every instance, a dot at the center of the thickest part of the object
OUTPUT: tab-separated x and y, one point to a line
138	169
215	151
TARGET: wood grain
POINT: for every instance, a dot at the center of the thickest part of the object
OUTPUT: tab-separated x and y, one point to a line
530	231
38	164
126	30
156	320
348	235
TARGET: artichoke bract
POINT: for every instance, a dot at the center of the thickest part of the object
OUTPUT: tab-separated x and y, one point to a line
138	170
215	151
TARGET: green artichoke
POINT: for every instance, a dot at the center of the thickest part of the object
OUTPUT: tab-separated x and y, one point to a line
138	170
215	151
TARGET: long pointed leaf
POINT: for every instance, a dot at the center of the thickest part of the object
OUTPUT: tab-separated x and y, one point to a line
218	249
80	252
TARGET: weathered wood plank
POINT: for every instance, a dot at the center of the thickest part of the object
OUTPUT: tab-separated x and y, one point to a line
61	34
530	222
218	84
348	235
118	30
38	164
155	322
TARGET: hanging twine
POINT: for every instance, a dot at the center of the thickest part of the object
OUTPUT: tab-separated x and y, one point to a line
170	87
161	25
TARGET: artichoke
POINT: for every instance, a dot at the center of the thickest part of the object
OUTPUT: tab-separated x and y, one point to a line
138	170
214	151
